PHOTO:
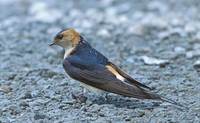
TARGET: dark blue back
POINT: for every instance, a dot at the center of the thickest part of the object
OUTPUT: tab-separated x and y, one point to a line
86	53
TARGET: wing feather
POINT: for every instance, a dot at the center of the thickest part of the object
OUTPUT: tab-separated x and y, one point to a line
100	77
128	78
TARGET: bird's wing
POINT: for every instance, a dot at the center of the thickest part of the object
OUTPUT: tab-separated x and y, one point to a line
128	77
101	77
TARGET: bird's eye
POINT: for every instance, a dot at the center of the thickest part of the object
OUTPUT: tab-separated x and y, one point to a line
59	36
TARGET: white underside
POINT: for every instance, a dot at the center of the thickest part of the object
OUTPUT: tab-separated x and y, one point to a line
90	88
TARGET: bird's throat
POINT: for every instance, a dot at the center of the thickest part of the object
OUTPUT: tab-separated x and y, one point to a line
68	50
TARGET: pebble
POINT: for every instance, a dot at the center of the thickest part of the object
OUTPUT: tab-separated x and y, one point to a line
153	61
196	37
130	59
137	29
178	31
157	22
106	2
80	98
190	28
26	95
179	50
196	46
38	116
5	88
163	35
24	104
176	21
157	5
192	54
173	31
103	32
197	64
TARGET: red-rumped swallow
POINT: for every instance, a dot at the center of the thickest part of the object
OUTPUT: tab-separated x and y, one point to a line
84	63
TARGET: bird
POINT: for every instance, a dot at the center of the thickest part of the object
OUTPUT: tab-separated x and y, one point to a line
85	64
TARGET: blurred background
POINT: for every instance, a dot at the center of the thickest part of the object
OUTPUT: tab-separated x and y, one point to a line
155	41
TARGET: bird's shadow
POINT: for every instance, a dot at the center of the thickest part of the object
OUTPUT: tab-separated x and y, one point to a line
124	102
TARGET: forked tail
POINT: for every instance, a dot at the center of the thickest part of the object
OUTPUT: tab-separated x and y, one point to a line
174	103
151	95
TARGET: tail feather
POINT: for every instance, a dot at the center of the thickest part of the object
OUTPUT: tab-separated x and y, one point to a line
154	96
173	102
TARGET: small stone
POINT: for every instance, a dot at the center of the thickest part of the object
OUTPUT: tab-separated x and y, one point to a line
12	77
172	31
86	23
111	11
157	5
197	64
70	102
193	53
79	98
196	46
124	8
163	35
103	33
5	88
123	19
176	22
106	2
179	50
35	93
14	110
24	105
177	31
38	116
157	22
196	37
138	15
128	119
154	61
190	28
26	95
130	59
136	29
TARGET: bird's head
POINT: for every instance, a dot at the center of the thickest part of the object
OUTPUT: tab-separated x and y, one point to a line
67	38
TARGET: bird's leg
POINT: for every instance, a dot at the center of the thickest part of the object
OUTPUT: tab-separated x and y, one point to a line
80	98
84	91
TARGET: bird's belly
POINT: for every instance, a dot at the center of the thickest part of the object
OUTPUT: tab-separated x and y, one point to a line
90	88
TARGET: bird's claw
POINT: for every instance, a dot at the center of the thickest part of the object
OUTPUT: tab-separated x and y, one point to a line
80	98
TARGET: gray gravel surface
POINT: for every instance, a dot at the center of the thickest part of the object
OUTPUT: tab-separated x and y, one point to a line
155	41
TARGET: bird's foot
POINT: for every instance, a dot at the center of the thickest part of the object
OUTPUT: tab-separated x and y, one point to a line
80	98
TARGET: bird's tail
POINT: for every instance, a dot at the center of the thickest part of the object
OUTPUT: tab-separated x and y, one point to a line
173	102
151	95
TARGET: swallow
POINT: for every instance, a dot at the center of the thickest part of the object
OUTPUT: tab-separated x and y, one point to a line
84	63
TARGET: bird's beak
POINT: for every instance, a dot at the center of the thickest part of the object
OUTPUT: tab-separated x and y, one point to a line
52	44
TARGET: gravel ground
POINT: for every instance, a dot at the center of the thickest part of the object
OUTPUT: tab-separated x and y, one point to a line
155	41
